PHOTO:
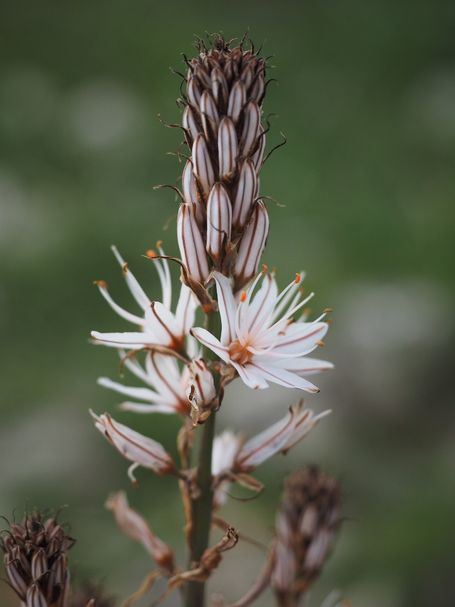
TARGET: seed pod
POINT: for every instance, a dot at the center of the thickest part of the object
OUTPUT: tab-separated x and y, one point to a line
251	246
219	220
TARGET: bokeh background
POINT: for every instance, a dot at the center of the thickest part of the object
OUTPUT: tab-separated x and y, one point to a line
366	98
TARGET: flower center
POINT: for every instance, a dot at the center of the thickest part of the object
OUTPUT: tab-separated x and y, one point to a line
239	353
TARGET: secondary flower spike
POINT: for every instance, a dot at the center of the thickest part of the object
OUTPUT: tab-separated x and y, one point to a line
36	561
306	526
222	115
259	337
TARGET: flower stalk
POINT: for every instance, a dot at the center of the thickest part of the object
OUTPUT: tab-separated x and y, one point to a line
202	504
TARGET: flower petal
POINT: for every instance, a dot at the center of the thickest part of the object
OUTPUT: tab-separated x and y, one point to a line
210	341
282	377
227	307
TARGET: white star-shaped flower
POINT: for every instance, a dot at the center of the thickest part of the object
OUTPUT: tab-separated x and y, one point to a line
261	339
158	325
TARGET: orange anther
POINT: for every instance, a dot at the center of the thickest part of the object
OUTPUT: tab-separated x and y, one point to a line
243	296
158	244
298	278
264	268
151	254
102	284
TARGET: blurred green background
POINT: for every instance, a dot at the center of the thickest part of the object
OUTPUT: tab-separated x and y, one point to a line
366	97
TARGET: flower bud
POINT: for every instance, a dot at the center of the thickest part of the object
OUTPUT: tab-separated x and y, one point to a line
193	90
190	123
237	99
258	155
219	86
201	388
137	448
209	114
35	598
191	245
202	164
252	245
190	193
219	220
36	561
250	128
245	194
227	148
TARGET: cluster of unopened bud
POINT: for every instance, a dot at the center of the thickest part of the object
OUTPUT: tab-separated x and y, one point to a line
306	525
35	559
222	223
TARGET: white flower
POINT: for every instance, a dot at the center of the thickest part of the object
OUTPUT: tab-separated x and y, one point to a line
278	438
137	448
158	325
167	385
233	458
259	337
225	449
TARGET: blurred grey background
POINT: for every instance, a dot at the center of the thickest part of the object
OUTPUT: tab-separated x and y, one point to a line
366	98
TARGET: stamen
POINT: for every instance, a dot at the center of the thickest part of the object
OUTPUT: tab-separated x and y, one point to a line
243	296
102	284
298	278
264	268
151	254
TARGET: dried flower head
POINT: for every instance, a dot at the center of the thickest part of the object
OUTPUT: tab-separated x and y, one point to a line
35	559
306	525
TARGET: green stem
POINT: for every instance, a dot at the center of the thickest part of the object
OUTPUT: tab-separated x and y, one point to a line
201	507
